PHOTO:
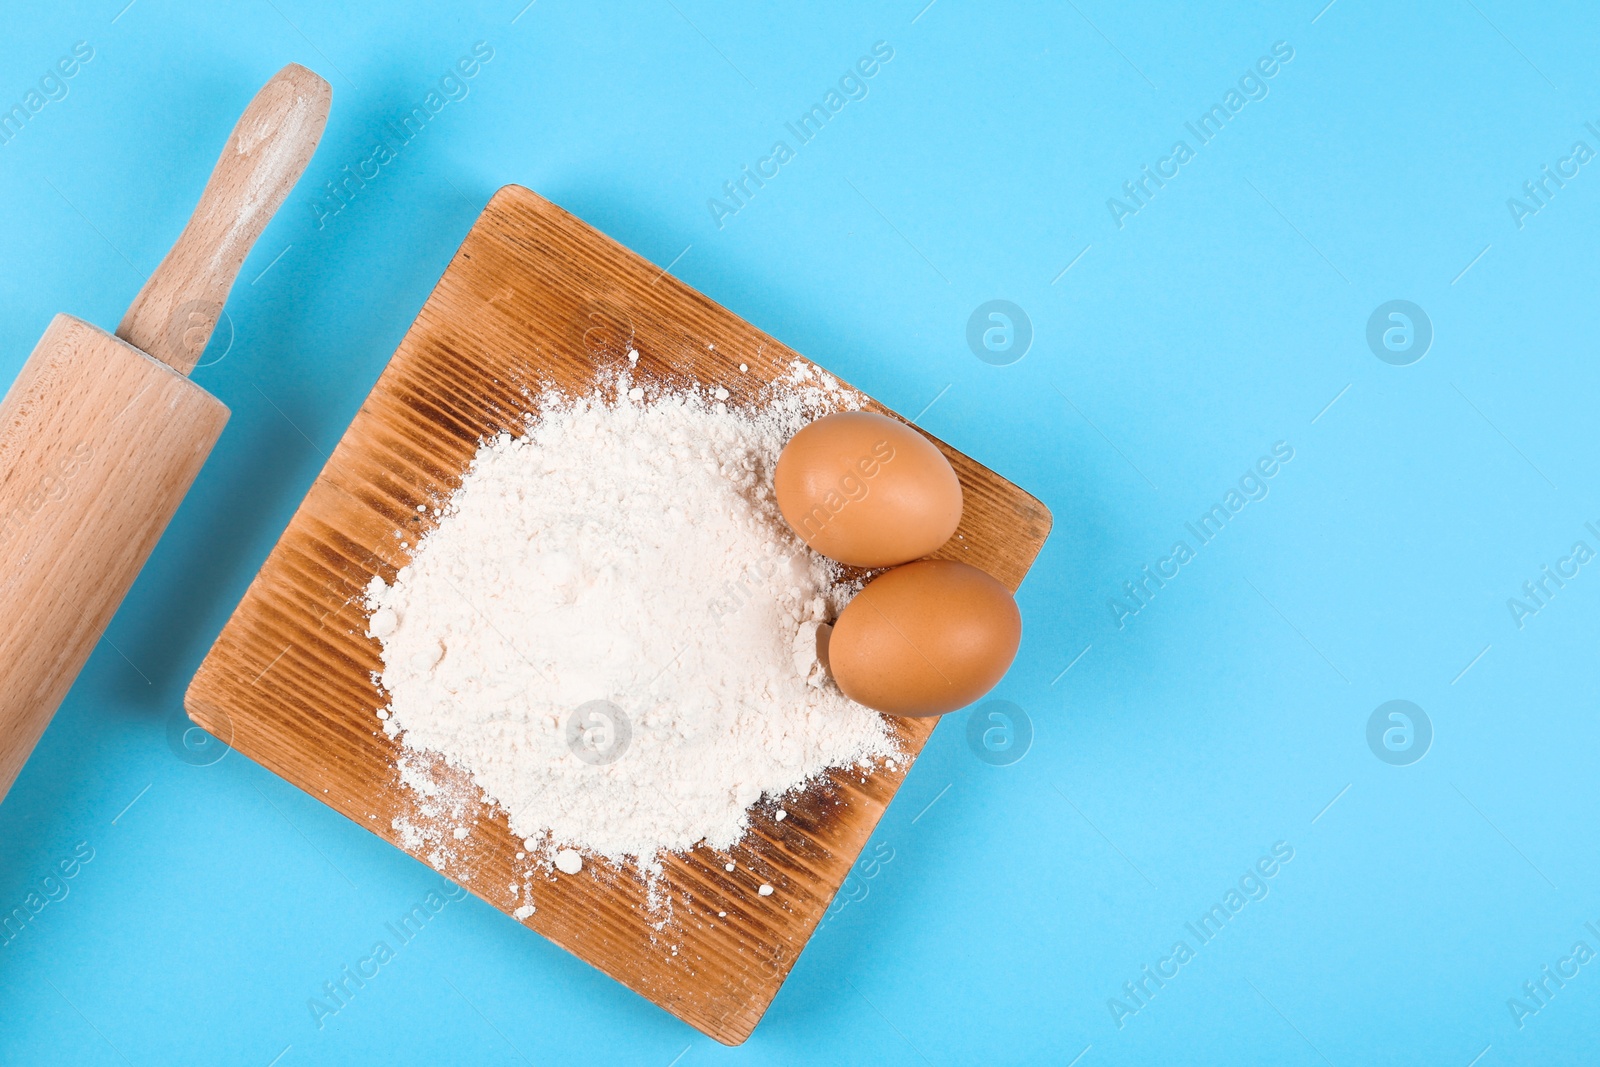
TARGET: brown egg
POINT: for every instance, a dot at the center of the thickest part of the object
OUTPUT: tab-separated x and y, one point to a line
925	639
867	490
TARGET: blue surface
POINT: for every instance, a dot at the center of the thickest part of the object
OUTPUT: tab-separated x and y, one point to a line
1168	755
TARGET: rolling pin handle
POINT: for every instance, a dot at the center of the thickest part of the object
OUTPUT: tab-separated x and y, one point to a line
172	317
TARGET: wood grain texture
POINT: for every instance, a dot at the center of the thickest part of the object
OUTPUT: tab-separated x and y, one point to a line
174	314
98	444
536	296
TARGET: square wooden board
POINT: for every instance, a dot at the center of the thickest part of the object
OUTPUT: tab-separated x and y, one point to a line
536	295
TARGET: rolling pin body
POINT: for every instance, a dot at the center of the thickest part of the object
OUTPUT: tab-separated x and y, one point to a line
98	444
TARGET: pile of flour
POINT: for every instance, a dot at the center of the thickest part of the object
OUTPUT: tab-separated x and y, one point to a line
612	630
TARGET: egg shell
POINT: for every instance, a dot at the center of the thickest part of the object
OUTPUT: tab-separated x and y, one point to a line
925	639
867	490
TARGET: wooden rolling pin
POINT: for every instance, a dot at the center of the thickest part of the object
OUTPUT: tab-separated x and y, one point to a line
101	436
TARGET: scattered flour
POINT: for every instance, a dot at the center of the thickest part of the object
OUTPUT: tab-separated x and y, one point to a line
602	628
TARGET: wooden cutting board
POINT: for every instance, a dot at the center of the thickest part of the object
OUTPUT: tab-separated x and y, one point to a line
536	295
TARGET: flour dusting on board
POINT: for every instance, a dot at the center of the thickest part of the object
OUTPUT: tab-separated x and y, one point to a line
602	629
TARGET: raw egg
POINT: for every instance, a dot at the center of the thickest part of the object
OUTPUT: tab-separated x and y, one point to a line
867	490
925	639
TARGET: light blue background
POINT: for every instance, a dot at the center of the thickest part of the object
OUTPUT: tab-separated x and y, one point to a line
1224	317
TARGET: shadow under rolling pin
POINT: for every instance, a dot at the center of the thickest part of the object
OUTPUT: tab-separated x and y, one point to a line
101	436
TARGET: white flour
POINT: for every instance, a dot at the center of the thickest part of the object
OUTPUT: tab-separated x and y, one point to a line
602	628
